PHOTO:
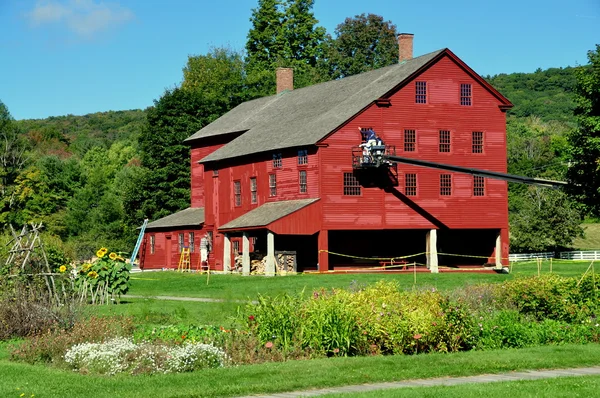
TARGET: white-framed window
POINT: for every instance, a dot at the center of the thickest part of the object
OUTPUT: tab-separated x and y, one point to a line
152	244
421	92
465	94
302	156
410	184
477	142
444	140
351	185
272	185
253	190
237	193
302	181
410	140
445	184
191	241
180	242
478	186
277	160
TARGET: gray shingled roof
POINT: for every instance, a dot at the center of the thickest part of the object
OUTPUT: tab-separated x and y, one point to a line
304	116
192	217
267	213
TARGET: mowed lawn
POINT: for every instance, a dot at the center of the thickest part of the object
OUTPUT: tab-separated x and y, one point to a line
237	287
42	381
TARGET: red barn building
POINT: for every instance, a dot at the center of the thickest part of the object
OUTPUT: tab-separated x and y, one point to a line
277	173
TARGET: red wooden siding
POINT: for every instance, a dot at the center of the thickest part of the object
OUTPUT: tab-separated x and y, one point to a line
306	221
197	174
375	209
167	255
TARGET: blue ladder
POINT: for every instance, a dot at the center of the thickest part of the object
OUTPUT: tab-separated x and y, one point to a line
139	242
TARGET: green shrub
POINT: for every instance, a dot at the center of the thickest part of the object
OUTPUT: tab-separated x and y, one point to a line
553	297
178	334
50	346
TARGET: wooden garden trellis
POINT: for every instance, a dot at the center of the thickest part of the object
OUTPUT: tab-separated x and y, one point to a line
21	255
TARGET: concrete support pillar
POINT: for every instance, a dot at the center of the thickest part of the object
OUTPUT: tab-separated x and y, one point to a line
323	247
226	253
499	250
431	248
245	254
270	266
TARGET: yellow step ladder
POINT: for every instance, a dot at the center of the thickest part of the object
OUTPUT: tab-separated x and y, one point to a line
184	260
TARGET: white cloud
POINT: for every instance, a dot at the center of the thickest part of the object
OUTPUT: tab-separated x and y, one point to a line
82	17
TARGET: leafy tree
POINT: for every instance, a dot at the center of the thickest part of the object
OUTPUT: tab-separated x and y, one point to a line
548	94
165	183
284	34
547	221
363	43
584	170
13	159
218	75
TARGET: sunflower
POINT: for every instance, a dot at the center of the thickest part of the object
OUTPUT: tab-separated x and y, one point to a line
113	256
100	253
62	268
86	266
92	274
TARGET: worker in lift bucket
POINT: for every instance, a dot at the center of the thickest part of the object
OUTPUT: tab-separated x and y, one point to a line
371	140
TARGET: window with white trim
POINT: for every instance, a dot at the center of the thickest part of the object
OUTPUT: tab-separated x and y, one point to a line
277	160
191	241
465	94
445	184
253	190
421	92
444	140
302	156
478	186
410	184
477	142
272	185
180	242
152	244
351	185
302	181
237	193
410	140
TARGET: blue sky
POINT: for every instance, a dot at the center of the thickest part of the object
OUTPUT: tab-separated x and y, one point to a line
61	57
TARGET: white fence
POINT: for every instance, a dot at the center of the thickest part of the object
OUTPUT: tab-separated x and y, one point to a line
529	256
581	255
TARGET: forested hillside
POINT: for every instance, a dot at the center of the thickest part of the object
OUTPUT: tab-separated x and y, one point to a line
92	179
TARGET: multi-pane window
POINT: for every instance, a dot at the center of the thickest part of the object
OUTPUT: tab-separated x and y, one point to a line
235	248
180	242
303	156
351	185
215	173
478	186
253	194
152	244
477	141
410	140
277	160
191	241
302	181
237	193
445	184
465	94
272	185
421	92
410	184
444	141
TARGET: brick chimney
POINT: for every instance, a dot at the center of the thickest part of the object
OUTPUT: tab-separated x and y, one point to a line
285	79
405	46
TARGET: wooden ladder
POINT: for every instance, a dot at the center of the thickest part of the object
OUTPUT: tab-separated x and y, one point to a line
184	260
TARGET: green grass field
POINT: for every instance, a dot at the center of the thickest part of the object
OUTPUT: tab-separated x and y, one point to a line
44	381
587	386
591	241
237	287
